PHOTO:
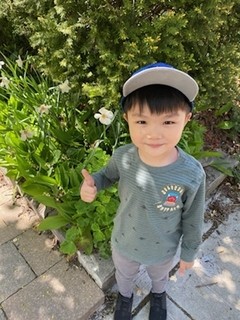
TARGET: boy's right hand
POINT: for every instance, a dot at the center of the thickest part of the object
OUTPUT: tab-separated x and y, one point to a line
88	190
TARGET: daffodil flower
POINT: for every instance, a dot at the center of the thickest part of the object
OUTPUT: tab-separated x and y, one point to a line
1	64
104	116
44	108
19	62
26	134
4	83
64	87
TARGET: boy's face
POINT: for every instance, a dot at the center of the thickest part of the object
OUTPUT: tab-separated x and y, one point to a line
156	135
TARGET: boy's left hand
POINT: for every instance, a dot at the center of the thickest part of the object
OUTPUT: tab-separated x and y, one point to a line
184	266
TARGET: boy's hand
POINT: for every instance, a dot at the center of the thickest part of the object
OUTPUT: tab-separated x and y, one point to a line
184	266
88	190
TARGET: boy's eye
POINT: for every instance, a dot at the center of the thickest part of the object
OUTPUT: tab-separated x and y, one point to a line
141	122
169	122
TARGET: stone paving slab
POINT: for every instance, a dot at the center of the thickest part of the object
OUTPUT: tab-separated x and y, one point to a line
7	232
15	217
6	192
211	289
2	317
60	293
39	252
14	271
18	215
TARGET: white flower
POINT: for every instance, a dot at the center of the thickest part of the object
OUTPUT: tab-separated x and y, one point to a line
105	116
19	62
5	82
44	108
1	64
25	134
64	87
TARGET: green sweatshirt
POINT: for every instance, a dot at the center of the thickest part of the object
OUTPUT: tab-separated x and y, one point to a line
158	206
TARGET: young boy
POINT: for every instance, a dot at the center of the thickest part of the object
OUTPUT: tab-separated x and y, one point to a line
161	188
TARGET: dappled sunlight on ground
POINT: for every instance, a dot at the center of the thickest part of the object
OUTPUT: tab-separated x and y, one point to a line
213	284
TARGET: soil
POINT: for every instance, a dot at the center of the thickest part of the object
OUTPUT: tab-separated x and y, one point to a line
216	139
227	195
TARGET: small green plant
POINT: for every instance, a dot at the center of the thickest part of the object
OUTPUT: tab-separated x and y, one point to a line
236	174
192	141
230	118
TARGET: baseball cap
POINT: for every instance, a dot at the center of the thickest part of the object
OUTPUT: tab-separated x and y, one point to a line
161	73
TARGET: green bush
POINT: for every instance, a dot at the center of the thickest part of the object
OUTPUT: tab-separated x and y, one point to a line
96	44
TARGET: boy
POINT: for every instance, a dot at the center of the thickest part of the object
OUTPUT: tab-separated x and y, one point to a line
161	188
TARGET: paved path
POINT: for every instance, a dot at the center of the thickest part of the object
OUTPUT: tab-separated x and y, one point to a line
36	282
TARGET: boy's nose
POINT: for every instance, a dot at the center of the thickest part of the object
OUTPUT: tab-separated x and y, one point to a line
155	133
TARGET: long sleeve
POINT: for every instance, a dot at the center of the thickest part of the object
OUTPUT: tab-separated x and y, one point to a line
107	176
192	222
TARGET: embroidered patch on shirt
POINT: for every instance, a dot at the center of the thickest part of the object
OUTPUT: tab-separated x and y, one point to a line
170	198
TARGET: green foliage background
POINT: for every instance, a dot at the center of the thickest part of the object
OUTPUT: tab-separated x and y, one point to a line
96	44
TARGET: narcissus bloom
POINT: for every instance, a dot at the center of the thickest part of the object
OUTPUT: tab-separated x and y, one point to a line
64	87
104	116
4	83
26	134
44	108
1	64
19	62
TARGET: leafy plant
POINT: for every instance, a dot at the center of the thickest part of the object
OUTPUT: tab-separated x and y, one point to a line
230	118
192	141
45	142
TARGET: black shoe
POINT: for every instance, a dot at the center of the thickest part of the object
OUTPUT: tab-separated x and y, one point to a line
158	306
123	308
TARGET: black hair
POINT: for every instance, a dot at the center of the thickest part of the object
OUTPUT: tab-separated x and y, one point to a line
159	99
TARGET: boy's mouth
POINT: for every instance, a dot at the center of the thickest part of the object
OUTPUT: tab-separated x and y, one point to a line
155	145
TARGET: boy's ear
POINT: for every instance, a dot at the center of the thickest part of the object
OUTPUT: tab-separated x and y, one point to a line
188	117
125	116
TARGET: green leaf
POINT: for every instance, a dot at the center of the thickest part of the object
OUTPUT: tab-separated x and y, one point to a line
85	244
34	189
99	236
62	176
226	170
47	201
56	156
12	140
73	233
45	180
75	178
68	247
54	222
226	125
40	161
63	136
224	109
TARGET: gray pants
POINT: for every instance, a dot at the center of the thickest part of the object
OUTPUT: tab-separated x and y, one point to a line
127	269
